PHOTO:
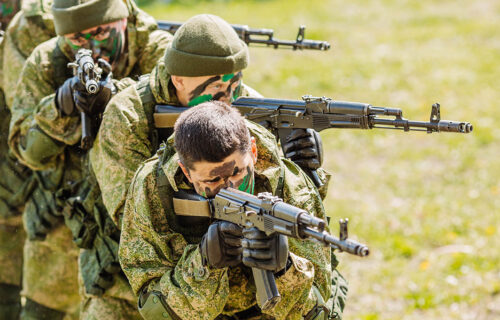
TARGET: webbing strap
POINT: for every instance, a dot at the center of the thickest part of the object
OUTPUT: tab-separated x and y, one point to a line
165	120
148	102
192	208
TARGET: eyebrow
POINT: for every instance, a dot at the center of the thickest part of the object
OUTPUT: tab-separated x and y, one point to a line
235	171
199	89
221	94
212	180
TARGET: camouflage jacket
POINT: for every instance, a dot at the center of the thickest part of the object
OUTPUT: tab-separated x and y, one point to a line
151	252
29	27
38	133
125	138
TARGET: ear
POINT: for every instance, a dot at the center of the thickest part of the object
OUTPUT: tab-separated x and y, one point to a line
178	83
253	149
184	170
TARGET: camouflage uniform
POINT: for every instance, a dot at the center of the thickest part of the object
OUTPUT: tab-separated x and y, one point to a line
156	252
29	27
48	142
127	136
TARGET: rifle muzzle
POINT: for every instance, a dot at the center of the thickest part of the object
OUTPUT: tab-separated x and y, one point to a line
91	86
454	126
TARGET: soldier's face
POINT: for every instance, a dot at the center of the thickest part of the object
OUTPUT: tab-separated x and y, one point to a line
106	41
196	90
235	171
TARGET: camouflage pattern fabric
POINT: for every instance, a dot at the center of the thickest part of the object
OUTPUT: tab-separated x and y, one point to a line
118	303
151	252
30	27
50	272
36	122
24	32
124	139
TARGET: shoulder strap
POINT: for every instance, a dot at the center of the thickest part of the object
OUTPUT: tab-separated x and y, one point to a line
148	102
281	183
191	227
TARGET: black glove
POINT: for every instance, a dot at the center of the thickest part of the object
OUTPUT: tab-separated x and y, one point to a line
64	97
305	148
72	95
221	246
264	252
99	264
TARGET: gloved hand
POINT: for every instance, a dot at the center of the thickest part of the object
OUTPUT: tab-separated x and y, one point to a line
99	264
221	246
305	148
72	95
264	252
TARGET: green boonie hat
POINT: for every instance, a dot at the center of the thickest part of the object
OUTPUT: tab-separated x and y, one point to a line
71	16
205	45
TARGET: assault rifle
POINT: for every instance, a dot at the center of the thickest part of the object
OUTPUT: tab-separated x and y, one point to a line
261	36
89	75
282	116
269	214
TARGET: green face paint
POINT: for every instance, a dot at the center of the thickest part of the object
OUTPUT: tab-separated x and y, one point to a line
200	99
236	93
248	183
227	77
106	42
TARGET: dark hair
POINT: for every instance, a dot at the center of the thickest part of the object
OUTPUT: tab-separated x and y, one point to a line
210	131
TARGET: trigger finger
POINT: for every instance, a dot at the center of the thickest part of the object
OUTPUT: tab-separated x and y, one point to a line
304	154
231	229
297	134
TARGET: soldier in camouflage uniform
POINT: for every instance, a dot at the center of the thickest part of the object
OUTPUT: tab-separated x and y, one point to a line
204	62
194	268
45	134
29	27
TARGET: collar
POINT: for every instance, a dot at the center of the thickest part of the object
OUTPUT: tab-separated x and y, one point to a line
162	88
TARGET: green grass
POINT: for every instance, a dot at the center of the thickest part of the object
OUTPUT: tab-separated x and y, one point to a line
428	206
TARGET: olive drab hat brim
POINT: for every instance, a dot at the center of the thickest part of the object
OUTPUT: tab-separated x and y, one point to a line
71	16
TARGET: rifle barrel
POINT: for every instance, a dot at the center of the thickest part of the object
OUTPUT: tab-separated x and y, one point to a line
263	37
348	245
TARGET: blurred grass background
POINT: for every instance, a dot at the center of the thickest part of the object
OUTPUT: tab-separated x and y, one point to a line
428	206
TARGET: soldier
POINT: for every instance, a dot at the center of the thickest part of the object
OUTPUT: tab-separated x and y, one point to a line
45	134
193	268
204	62
29	27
